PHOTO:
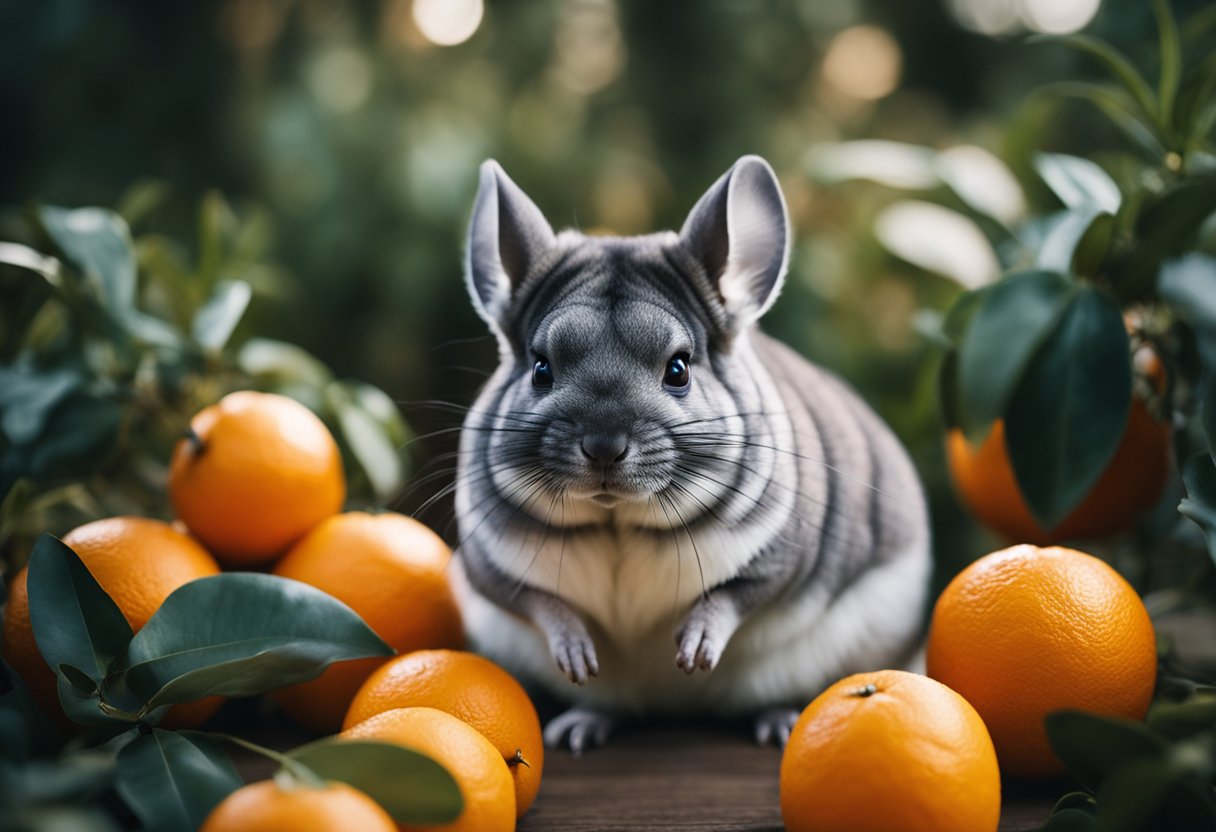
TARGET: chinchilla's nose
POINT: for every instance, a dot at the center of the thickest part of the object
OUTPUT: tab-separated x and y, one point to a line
605	448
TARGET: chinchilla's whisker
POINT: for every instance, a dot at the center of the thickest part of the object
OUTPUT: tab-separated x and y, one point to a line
539	546
691	540
740	441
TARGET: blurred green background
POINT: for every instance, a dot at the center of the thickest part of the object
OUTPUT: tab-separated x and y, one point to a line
354	131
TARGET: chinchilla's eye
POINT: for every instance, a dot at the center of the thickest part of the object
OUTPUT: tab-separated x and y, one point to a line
542	373
678	375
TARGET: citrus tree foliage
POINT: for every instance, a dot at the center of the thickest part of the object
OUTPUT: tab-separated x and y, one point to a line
111	344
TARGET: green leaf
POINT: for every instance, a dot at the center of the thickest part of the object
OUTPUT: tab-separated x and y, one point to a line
1181	720
98	242
1070	820
78	679
1092	747
1188	285
1152	793
172	780
215	321
1011	322
241	634
1067	416
1117	106
142	198
74	621
1079	183
1171	61
280	362
1166	226
983	181
1199	504
939	240
1116	63
25	729
411	787
368	441
24	257
1089	253
27	398
75	437
216	225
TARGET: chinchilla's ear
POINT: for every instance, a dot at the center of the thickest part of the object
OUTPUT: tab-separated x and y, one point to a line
507	237
739	232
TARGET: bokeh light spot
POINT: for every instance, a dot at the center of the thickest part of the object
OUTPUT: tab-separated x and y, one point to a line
863	62
448	22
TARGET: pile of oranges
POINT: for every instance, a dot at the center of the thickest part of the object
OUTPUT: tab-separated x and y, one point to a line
1018	634
259	484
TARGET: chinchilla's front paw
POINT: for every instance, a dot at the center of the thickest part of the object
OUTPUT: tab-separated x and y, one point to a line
705	633
574	653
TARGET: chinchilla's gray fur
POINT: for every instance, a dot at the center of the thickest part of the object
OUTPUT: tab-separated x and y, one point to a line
638	547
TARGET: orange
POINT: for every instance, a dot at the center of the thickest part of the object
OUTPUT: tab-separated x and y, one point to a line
1130	485
890	750
1026	631
269	807
392	571
262	472
482	776
472	689
138	562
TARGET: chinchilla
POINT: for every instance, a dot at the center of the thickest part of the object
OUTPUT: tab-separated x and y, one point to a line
662	510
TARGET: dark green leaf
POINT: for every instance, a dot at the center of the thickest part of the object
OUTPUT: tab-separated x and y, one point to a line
1013	319
1180	720
76	436
172	781
1079	183
1155	793
411	787
78	679
1188	285
928	324
1166	226
77	777
215	321
28	397
1089	253
1199	477
1195	99
241	634
1070	820
98	242
1092	747
1171	61
25	728
1117	64
1119	108
85	709
960	312
368	441
74	621
947	391
1064	235
1067	416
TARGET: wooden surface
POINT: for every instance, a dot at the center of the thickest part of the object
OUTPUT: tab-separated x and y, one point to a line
695	779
